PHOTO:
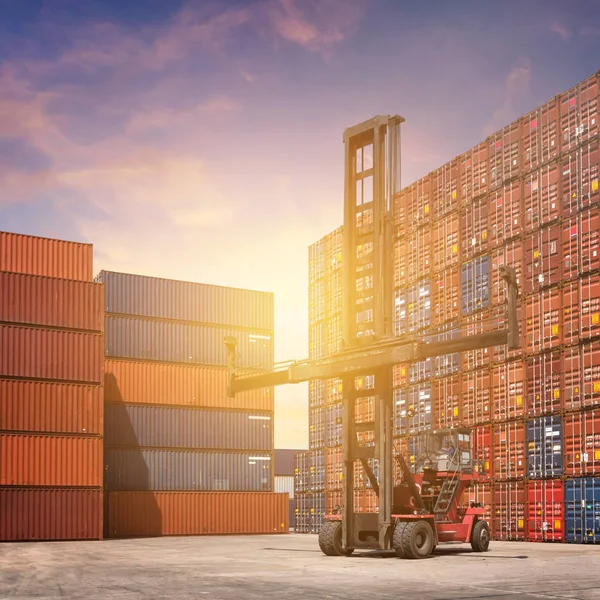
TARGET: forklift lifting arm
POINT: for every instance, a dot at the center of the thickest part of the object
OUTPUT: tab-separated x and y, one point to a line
381	354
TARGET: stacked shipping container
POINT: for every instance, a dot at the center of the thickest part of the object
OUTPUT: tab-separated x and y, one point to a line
170	427
51	410
527	197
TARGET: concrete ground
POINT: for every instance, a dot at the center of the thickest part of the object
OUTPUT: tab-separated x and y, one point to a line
232	568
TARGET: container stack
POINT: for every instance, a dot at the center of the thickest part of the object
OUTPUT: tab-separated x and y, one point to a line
172	434
51	410
283	480
528	197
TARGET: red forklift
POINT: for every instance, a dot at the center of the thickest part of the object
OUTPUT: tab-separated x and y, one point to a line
423	508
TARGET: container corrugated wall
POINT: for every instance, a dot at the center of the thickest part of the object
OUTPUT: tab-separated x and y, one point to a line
51	514
156	298
139	514
284	461
167	427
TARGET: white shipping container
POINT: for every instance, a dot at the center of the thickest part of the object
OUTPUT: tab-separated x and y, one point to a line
284	484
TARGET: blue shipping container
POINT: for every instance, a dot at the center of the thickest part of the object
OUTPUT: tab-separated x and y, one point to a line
544	447
135	425
413	409
142	339
333	429
153	297
177	470
582	510
475	285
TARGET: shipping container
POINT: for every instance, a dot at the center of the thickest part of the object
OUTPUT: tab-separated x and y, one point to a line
582	443
47	514
510	500
590	306
44	460
579	113
582	510
477	396
144	469
508	381
447	402
50	302
445	296
412	308
156	298
482	451
473	173
33	255
333	391
544	384
542	203
317	291
508	255
334	499
143	339
444	185
420	371
479	494
333	469
474	223
540	132
135	426
508	450
30	353
413	409
136	382
545	511
284	484
542	259
316	428
475	285
284	462
365	501
310	512
445	364
570	312
590	369
543	320
580	172
414	205
505	212
310	471
474	325
590	240
333	425
544	447
316	393
412	258
42	407
151	514
505	154
572	374
445	242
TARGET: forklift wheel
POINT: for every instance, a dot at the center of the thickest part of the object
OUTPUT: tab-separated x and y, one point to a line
480	537
397	539
415	540
330	539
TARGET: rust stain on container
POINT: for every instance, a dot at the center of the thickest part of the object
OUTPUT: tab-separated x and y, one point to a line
177	385
196	513
37	406
43	256
43	460
47	301
28	352
50	514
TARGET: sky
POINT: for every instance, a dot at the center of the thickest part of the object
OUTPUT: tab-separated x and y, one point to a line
202	140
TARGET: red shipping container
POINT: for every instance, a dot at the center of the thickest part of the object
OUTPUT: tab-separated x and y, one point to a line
34	300
400	209
42	460
543	315
33	514
444	187
508	450
33	255
476	396
545	511
544	384
177	385
509	255
542	259
509	390
446	402
510	499
579	113
415	205
571	240
479	493
473	173
364	411
581	442
445	296
540	136
572	378
417	248
334	499
333	468
590	373
444	238
590	306
541	200
146	514
590	240
505	154
580	178
474	222
26	352
365	501
474	325
570	312
505	214
51	407
482	451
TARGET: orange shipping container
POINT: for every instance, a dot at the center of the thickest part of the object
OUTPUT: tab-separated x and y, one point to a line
177	385
141	514
509	390
43	460
42	256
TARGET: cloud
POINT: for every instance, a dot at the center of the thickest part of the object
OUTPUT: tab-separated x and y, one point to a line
561	30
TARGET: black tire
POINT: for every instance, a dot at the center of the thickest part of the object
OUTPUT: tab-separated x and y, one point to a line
330	539
397	538
480	537
417	539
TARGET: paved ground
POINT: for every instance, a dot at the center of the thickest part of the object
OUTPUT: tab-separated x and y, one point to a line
236	568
